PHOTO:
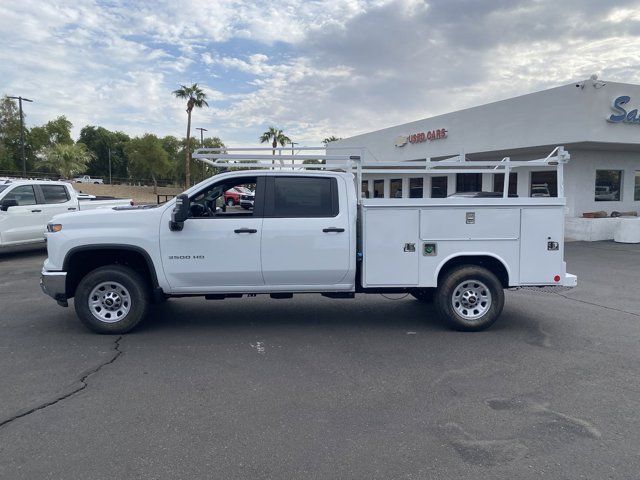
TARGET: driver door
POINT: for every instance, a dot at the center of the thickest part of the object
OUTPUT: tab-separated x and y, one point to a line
219	252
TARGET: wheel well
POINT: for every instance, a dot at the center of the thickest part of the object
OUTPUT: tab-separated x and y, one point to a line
490	263
79	263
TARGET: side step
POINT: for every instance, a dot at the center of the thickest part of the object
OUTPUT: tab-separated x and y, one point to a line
222	296
281	295
339	294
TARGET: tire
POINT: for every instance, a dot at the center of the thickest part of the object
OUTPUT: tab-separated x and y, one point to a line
470	298
230	202
126	290
424	295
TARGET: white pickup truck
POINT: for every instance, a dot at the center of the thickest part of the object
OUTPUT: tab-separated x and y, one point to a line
26	206
308	232
87	179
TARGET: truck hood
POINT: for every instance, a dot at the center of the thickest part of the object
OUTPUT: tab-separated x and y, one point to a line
106	217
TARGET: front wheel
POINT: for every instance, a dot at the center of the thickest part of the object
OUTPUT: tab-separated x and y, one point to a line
470	298
112	299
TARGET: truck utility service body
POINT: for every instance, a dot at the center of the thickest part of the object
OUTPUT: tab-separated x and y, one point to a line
26	206
309	231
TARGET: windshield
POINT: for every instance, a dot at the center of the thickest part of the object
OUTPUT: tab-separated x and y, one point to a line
3	187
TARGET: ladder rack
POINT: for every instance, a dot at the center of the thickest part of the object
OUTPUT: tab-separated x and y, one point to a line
283	158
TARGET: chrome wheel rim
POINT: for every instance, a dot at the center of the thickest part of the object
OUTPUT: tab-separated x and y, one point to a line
471	299
109	302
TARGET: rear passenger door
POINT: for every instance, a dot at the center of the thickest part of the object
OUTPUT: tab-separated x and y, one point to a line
305	232
55	199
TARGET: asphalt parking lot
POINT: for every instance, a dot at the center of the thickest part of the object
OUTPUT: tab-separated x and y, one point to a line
318	388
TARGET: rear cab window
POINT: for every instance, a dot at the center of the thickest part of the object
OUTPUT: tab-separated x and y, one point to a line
300	197
54	193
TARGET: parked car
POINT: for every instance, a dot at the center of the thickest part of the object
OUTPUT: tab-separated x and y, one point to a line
26	206
232	196
605	193
246	200
87	179
309	232
540	190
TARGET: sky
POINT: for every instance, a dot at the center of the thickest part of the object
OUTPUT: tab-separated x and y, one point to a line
312	68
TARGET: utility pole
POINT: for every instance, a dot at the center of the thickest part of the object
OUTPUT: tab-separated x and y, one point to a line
110	182
24	158
202	145
293	153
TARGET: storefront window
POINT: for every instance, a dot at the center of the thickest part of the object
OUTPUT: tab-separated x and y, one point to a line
544	184
395	188
468	182
438	187
498	183
365	189
378	189
415	187
636	194
608	185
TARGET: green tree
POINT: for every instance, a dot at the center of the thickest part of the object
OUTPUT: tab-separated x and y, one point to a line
276	136
147	157
196	98
57	131
330	139
9	135
103	144
65	160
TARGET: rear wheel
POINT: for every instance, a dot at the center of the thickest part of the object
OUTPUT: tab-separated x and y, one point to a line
470	298
112	299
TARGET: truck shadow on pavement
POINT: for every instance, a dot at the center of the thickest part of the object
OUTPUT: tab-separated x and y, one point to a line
305	311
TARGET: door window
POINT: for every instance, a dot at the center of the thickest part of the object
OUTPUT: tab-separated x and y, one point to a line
303	197
211	202
54	193
24	195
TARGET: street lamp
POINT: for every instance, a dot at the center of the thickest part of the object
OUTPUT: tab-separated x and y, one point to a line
24	158
202	130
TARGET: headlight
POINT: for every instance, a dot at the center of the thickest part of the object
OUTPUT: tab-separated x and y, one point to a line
54	227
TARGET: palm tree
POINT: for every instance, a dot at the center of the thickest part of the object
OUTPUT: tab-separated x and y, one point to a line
195	98
66	160
330	139
277	137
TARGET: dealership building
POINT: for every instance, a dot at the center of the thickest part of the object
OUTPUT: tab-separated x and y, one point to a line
596	121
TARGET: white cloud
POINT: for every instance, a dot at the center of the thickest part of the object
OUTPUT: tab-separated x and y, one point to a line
315	68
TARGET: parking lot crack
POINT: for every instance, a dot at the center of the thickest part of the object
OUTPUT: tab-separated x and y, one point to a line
82	381
598	305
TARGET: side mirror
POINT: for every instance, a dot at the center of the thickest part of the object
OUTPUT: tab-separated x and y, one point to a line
9	202
180	213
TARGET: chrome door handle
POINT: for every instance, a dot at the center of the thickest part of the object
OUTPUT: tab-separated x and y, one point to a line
333	229
245	230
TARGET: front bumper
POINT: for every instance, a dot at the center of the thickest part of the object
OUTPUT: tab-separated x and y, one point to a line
54	284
